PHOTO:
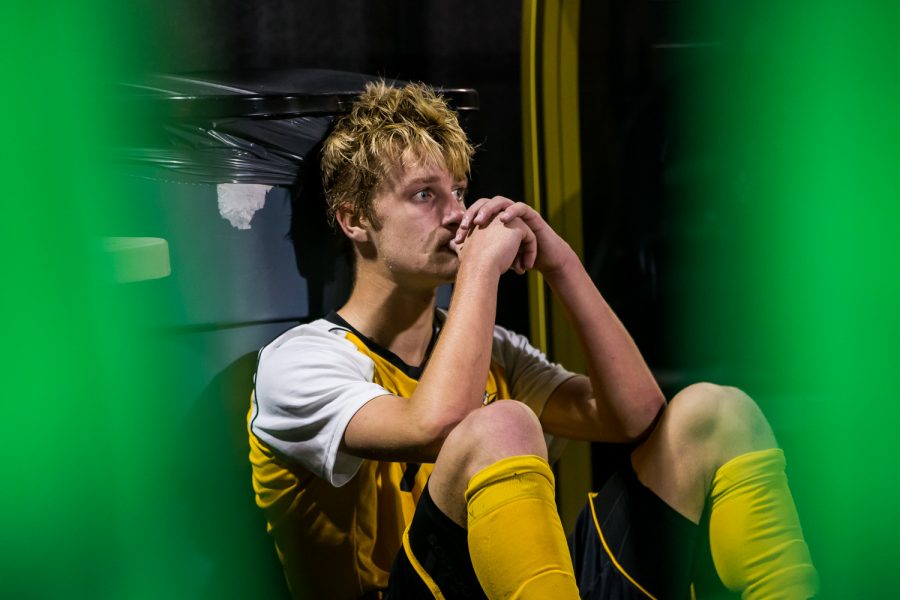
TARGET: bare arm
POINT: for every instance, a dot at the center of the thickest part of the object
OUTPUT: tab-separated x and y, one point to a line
394	428
619	399
626	398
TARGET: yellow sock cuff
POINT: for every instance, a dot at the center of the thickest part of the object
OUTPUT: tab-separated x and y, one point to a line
746	468
516	541
521	475
755	536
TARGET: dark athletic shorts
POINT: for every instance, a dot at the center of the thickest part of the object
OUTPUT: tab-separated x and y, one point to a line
627	544
441	549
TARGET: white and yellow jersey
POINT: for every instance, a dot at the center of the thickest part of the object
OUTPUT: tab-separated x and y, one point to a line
337	519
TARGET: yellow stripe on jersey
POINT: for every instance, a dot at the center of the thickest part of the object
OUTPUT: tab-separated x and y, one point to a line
609	553
426	578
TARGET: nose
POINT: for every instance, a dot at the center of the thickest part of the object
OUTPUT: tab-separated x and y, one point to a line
453	211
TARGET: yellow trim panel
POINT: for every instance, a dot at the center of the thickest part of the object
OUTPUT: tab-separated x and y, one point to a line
429	582
612	558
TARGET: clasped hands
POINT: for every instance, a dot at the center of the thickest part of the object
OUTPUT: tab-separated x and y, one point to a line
514	234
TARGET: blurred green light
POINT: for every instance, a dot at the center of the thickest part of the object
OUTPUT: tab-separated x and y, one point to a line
805	110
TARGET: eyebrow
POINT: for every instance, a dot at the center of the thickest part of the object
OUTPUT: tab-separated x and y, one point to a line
431	179
421	180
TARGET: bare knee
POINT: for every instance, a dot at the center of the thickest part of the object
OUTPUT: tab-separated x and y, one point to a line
722	420
501	429
703	427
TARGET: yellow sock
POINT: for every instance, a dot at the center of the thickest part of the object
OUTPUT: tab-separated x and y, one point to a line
516	540
755	537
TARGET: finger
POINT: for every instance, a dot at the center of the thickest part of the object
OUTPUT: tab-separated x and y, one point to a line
461	234
518	210
527	253
487	211
517	264
529	250
465	224
471	211
481	213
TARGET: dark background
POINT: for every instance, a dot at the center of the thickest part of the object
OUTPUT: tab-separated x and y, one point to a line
449	44
639	171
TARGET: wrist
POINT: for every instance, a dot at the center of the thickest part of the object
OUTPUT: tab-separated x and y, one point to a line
562	266
477	271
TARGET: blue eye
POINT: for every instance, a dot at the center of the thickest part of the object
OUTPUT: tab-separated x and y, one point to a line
423	195
460	193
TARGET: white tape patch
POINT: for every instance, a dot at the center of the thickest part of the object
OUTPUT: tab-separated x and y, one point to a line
238	202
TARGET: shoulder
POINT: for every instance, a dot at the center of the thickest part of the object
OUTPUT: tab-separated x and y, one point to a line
310	381
320	336
314	351
316	333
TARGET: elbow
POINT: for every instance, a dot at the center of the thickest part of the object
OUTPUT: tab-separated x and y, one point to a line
434	430
438	427
643	419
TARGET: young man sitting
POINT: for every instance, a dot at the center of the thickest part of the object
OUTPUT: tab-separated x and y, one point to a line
399	451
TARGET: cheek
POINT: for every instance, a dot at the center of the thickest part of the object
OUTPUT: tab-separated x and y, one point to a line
410	250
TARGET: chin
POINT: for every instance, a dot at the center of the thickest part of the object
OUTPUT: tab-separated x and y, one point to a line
447	275
432	277
441	270
452	270
444	277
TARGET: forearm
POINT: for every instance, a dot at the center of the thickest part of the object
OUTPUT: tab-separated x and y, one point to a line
453	382
624	389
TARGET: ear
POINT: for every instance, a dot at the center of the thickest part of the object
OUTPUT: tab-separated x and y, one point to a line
352	224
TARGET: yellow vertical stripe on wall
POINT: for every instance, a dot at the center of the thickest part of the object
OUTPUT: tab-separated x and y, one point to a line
536	301
550	69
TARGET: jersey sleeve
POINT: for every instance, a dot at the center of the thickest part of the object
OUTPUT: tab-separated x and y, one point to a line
308	387
530	376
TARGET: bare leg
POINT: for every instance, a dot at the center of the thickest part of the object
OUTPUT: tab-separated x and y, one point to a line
703	427
713	447
492	477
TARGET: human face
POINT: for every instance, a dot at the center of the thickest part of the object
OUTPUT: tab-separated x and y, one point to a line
419	208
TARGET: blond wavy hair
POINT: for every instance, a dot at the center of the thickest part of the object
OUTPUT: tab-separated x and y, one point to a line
385	129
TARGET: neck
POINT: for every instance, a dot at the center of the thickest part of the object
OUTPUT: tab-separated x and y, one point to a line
400	320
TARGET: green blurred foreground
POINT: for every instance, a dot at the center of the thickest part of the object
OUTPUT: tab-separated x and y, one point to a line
804	113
